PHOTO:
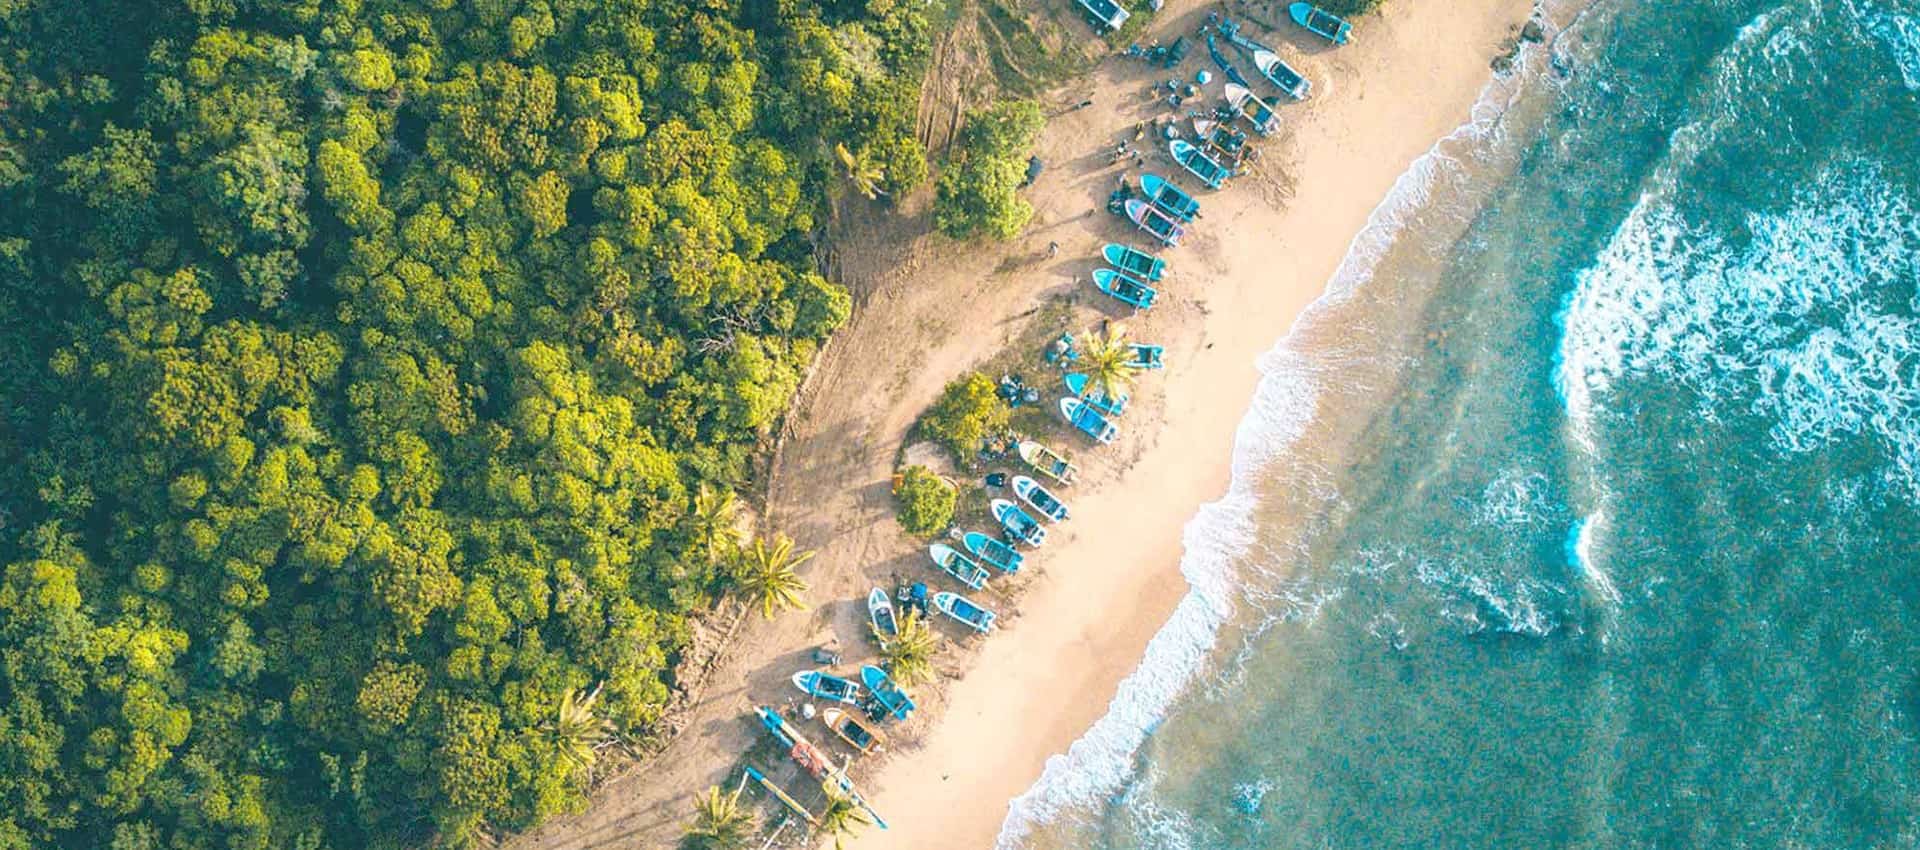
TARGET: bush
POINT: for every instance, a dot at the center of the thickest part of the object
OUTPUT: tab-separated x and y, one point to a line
926	501
968	410
978	195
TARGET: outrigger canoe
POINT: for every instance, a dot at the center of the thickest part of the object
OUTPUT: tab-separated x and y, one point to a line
1135	262
1033	494
1199	164
1147	356
1258	112
880	612
957	565
1079	385
884	691
848	726
1026	528
1088	420
961	608
1320	22
992	552
1278	72
1150	219
1169	197
1233	74
1124	289
1049	462
1105	15
821	685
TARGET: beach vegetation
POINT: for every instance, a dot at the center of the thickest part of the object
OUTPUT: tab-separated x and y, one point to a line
841	818
925	501
720	822
768	578
967	412
978	193
1107	361
909	654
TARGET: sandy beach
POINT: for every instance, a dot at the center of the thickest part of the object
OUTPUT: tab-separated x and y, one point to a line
1106	582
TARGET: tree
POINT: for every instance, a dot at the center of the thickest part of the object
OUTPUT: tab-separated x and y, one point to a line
842	817
1107	362
978	195
926	502
968	411
712	535
909	654
575	729
765	576
720	822
865	174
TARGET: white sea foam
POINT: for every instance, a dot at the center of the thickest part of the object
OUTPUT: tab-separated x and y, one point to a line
1580	556
1901	35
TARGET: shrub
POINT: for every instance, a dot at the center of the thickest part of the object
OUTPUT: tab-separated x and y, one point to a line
978	195
967	411
926	502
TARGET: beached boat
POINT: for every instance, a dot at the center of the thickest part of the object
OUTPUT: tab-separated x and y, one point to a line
1147	356
1048	462
1088	420
1037	496
1258	112
1133	261
1199	164
851	729
1105	15
822	685
1169	197
810	758
880	613
1277	71
1154	221
963	609
990	551
957	565
1220	59
1080	385
1124	289
1320	22
1015	520
885	692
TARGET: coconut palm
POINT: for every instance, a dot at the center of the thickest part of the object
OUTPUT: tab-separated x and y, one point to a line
766	578
575	727
909	654
720	822
1108	362
713	535
842	817
862	171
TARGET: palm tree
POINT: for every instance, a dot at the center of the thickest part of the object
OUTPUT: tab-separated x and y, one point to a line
576	729
713	535
720	822
862	171
1108	362
909	654
766	575
842	817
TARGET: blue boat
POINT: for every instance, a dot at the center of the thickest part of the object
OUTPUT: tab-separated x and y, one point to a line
1147	356
1291	82
1078	385
1088	420
992	552
1199	164
1152	220
1169	197
1258	112
1320	22
957	565
821	685
884	691
1105	15
1133	261
1047	504
1124	289
961	608
1016	521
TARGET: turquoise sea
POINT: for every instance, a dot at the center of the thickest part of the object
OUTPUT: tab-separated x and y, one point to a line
1581	512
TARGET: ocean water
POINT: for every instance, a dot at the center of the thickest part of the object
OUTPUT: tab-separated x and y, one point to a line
1581	512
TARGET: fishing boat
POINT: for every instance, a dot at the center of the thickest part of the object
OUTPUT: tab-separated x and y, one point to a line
1048	462
822	685
1233	74
1278	72
1081	386
1199	164
961	608
1105	15
848	726
957	565
1135	262
1258	112
1152	220
1169	197
1015	520
1124	289
1147	356
992	552
1320	22
884	691
809	757
1088	420
1033	494
880	612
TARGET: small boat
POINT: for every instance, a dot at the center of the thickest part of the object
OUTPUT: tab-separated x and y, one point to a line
957	565
1169	197
1033	494
1124	289
880	612
1048	462
1147	356
1135	262
888	694
1079	385
1152	220
1028	529
1199	164
848	726
822	685
1233	74
1105	15
1292	82
1258	112
1088	420
1320	22
961	608
992	552
809	757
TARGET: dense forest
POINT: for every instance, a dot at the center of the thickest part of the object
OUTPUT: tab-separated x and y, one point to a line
364	365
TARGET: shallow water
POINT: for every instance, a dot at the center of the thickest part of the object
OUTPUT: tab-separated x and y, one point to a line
1581	513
